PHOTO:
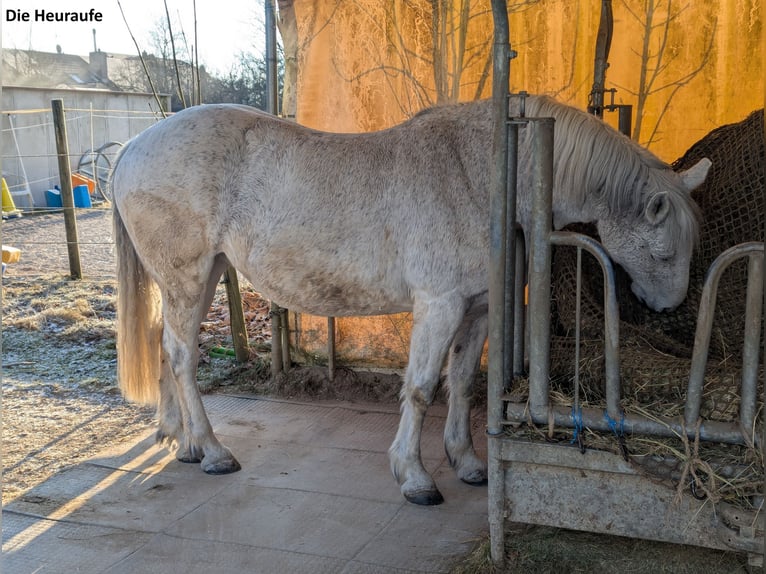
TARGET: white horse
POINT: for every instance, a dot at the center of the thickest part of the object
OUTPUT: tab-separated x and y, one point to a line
361	224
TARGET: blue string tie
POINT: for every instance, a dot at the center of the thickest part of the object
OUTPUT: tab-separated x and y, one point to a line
577	423
619	432
613	424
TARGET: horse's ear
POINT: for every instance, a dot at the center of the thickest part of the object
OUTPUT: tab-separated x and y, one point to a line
693	177
658	208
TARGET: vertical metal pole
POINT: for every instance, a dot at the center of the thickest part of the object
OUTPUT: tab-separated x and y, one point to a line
285	325
276	339
498	202
625	119
750	347
271	58
280	336
541	137
611	348
519	309
331	348
509	320
67	197
601	60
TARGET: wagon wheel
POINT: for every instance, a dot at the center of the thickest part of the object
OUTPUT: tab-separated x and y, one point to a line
97	165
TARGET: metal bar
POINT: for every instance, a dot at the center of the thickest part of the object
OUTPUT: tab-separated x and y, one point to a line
625	119
497	224
271	58
601	60
611	315
331	348
276	339
284	323
65	180
750	348
509	285
496	275
594	419
578	306
519	309
280	334
539	307
705	325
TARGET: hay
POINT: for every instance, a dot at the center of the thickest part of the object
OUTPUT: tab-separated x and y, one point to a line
656	348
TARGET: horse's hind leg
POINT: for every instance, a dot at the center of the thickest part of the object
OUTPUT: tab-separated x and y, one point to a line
463	365
435	323
182	313
171	426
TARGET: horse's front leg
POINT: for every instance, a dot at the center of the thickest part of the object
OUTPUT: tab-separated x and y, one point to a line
435	321
463	365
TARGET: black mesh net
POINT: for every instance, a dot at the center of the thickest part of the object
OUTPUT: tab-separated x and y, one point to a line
655	348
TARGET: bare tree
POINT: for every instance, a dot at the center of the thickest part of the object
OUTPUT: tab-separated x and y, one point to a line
658	61
424	50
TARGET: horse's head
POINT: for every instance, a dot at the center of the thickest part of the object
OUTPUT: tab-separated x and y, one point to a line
656	247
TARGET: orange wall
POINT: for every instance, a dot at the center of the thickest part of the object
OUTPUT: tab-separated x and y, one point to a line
367	64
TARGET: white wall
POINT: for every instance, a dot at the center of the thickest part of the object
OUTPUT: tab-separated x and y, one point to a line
94	117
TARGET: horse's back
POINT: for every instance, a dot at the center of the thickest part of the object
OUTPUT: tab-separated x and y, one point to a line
193	147
327	223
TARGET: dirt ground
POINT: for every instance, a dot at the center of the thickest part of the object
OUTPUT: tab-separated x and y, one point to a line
60	403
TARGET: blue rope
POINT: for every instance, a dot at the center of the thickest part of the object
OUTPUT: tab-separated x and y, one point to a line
577	423
613	424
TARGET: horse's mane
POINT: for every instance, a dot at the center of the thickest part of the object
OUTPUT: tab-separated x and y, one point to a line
594	161
594	158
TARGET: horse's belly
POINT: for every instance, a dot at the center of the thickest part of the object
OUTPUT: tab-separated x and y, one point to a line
336	299
326	291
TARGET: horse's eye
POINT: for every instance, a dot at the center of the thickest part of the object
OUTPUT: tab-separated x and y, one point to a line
662	257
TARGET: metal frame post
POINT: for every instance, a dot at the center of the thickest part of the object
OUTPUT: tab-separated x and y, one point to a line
540	251
498	205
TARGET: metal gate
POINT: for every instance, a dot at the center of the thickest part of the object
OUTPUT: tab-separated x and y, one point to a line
560	485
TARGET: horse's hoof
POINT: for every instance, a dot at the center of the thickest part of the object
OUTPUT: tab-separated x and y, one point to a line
425	497
224	466
475	482
476	478
189	455
187	458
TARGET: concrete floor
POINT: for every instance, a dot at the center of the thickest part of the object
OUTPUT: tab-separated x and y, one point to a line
315	494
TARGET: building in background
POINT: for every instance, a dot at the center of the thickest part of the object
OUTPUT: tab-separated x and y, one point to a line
99	110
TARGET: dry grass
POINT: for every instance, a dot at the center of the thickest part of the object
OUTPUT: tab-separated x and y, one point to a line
547	550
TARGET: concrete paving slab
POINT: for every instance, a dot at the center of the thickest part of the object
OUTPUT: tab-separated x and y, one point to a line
283	519
315	494
344	472
119	498
424	539
171	555
40	546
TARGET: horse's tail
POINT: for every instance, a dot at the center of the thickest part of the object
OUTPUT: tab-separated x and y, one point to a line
139	322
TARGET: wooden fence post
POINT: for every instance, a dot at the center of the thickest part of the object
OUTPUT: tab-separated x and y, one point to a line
236	315
65	179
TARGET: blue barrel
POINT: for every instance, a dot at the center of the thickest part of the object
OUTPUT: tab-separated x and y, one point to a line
81	196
